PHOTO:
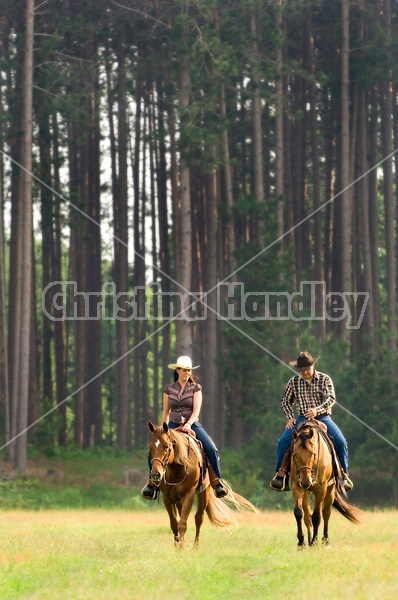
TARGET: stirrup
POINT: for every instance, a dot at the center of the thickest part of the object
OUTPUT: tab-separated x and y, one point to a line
280	484
347	483
150	491
220	490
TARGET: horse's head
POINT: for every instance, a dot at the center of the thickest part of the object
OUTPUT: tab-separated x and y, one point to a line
161	450
305	456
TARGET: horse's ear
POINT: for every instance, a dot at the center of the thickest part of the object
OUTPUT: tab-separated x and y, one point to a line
165	427
151	426
294	434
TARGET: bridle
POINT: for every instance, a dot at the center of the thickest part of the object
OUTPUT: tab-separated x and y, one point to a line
313	479
164	462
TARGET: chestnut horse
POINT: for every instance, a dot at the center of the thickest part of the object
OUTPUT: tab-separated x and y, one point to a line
312	471
177	465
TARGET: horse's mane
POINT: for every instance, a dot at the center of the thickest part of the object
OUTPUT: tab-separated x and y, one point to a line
303	437
181	444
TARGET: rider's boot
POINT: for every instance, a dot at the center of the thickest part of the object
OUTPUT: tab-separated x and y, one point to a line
216	483
280	481
150	491
347	483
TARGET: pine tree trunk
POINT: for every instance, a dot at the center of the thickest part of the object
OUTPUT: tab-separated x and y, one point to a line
297	149
211	414
184	275
229	194
257	147
164	237
366	256
77	274
4	389
279	150
374	216
56	271
318	246
123	432
20	460
35	358
46	232
154	167
345	198
93	409
389	214
15	295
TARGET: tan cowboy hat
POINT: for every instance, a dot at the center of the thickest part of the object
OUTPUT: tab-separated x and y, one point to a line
183	362
304	361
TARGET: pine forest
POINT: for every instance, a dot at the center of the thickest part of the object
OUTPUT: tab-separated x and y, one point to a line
211	178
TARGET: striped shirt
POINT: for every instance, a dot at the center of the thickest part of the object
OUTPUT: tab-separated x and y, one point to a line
181	403
317	393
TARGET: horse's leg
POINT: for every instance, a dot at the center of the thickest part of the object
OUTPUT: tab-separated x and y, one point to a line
203	500
307	515
316	513
327	508
184	514
171	509
298	513
316	519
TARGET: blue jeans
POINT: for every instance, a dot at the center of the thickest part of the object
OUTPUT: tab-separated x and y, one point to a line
208	445
335	433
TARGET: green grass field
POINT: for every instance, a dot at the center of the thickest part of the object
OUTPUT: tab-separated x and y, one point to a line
98	554
72	528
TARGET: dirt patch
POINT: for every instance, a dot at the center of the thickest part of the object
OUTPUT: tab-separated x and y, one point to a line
41	471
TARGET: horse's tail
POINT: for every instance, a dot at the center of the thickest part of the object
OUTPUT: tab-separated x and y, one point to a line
348	511
238	501
220	514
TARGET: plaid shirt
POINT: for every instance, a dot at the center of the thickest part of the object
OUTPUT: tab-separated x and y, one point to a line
317	393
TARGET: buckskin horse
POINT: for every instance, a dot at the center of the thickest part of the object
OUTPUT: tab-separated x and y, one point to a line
312	470
177	465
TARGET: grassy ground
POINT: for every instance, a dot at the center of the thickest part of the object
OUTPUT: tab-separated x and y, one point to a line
92	479
101	478
101	554
76	527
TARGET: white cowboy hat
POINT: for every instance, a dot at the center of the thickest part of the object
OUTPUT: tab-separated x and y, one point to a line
183	362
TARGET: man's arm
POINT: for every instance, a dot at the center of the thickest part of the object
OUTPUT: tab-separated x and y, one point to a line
329	396
287	401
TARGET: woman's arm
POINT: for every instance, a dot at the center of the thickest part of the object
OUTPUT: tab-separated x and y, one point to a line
197	405
166	409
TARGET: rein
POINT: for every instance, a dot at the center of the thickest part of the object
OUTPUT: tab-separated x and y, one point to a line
298	469
165	463
178	482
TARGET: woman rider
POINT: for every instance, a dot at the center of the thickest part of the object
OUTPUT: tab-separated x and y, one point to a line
182	401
